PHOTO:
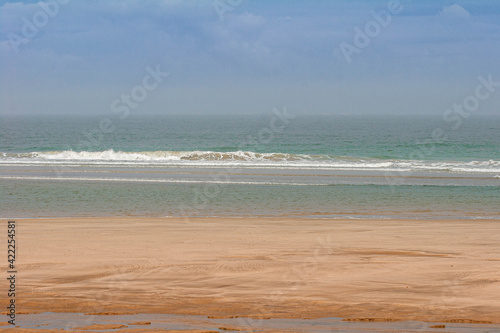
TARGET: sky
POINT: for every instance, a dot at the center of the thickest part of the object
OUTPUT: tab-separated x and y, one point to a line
74	57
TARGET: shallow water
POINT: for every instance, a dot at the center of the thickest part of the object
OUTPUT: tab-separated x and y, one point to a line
316	167
68	321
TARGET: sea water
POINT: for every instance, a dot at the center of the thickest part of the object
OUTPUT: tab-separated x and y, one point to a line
273	164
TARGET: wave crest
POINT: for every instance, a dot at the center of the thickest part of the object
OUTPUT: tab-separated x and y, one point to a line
111	155
248	158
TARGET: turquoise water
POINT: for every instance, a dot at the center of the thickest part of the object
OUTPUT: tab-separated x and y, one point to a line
380	137
87	199
267	165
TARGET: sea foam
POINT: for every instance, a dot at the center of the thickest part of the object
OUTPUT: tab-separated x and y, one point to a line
247	159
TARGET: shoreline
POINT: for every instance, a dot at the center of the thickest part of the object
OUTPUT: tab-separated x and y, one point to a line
302	216
425	270
57	322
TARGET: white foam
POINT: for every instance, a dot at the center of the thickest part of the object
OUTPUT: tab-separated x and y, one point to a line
244	159
146	180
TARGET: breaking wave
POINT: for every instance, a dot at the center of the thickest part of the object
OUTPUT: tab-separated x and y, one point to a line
111	155
246	158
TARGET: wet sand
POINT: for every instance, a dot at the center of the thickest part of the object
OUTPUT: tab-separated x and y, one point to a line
360	270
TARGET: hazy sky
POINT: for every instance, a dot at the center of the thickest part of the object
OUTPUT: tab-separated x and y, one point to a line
234	56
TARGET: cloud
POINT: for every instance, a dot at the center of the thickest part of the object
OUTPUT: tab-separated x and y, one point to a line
105	45
454	11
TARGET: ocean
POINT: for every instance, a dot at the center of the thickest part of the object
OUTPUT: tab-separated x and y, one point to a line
273	164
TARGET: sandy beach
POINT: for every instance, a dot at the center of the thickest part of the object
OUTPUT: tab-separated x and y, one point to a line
385	270
250	166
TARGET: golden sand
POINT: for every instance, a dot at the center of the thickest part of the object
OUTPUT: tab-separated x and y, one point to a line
365	270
